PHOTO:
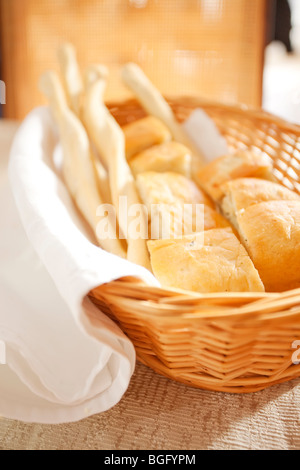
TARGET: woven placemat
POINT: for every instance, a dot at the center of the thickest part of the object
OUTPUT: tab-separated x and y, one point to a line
157	413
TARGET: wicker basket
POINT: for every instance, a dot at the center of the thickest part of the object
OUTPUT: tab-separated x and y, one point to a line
233	342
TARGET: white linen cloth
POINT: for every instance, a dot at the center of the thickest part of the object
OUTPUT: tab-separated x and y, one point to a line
60	366
205	135
74	368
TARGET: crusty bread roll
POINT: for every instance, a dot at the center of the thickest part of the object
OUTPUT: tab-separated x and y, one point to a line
212	261
271	233
172	221
144	133
169	188
229	167
212	219
176	206
169	156
244	192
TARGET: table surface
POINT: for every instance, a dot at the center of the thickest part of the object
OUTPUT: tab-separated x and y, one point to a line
157	413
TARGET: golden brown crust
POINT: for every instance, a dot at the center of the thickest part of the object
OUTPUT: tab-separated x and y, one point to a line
174	221
144	133
169	188
229	167
169	156
176	206
244	192
212	261
271	233
248	191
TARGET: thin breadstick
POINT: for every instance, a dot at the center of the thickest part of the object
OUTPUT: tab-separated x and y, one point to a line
110	143
155	104
67	59
91	75
95	84
77	165
94	73
102	179
74	88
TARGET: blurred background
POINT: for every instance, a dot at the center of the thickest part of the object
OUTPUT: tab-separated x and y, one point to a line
215	49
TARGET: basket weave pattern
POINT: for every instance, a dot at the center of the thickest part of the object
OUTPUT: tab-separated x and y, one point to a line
231	342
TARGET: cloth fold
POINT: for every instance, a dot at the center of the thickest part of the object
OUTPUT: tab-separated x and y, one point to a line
70	366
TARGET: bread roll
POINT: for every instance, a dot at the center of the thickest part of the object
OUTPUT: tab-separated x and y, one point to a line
271	233
229	167
176	206
169	156
144	133
244	192
169	188
213	261
175	221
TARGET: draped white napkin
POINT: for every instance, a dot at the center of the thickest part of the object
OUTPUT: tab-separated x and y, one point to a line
73	367
205	135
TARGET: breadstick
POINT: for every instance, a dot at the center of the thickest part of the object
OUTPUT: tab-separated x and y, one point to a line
74	89
66	55
155	104
110	143
92	74
101	178
77	165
